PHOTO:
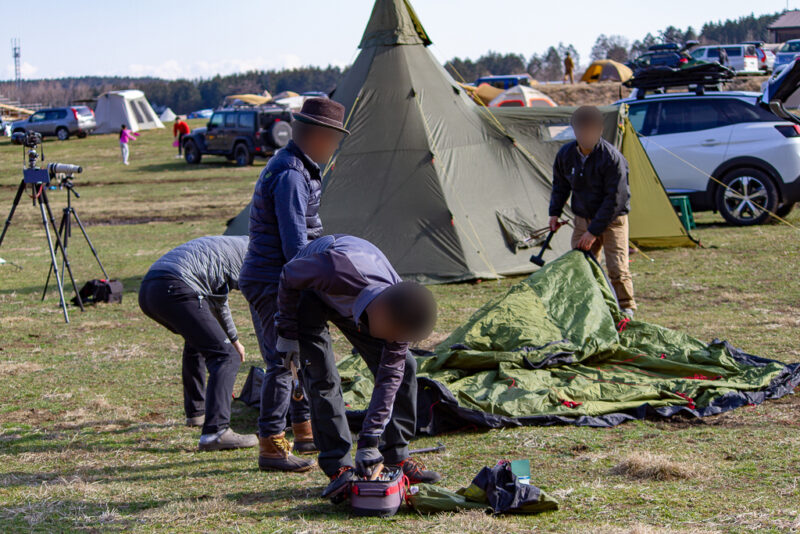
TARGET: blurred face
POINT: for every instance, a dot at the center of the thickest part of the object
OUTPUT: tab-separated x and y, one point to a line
588	135
382	326
319	143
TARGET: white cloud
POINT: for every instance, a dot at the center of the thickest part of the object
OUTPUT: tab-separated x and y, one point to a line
172	69
26	70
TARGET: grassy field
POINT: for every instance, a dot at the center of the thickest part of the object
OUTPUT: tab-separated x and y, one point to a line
91	435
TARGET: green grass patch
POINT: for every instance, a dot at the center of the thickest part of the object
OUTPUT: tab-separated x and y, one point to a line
91	435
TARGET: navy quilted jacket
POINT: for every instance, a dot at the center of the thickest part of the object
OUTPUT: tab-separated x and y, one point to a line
284	213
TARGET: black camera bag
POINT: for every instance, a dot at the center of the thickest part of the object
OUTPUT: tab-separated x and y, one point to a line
96	290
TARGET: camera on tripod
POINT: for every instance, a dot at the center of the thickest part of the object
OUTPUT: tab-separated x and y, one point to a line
33	174
36	179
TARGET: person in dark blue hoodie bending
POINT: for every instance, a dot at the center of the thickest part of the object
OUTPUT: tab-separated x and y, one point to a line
283	219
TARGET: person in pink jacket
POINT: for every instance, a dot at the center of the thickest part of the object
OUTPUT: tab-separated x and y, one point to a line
125	135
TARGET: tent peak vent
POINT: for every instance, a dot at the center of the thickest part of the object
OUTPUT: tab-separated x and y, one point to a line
393	22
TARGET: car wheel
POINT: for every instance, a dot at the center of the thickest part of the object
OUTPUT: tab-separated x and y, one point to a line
191	153
748	198
82	135
18	130
62	134
242	155
784	209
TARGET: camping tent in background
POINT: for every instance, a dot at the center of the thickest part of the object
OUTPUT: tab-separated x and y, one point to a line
606	70
543	131
251	99
522	96
129	107
424	174
167	115
482	94
290	99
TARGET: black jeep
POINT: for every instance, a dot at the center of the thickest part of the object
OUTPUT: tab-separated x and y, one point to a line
240	134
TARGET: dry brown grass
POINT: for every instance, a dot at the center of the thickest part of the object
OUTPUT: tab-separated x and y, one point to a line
17	368
648	466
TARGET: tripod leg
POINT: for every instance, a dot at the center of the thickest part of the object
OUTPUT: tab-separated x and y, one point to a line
63	253
53	260
50	270
65	235
89	241
13	209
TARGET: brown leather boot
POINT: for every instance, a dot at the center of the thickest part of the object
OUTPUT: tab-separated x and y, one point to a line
274	455
303	438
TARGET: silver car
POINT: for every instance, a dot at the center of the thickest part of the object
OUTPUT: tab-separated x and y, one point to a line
60	122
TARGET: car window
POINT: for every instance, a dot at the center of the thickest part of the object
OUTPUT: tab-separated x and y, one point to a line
53	115
791	46
38	117
697	54
734	51
247	120
636	114
738	111
713	53
230	120
679	116
217	119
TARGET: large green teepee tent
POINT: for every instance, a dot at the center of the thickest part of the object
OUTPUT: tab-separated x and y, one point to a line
424	175
449	190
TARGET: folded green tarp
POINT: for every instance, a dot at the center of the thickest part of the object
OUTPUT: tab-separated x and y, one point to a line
556	349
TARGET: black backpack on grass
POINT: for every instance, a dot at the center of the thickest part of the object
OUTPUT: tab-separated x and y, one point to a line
95	291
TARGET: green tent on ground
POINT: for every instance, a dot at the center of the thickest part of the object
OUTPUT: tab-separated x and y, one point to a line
449	190
556	349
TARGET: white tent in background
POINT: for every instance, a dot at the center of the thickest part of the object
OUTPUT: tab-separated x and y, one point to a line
128	107
522	96
167	115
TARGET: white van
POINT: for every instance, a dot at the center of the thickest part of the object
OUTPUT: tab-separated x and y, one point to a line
741	57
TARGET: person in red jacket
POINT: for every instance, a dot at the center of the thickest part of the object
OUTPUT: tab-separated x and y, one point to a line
179	129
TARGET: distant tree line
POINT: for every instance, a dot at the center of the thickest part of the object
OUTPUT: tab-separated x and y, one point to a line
748	28
184	96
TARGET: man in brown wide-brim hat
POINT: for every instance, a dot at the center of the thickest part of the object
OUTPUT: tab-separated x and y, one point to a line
283	218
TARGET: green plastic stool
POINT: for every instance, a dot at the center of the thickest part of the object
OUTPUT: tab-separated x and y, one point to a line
684	210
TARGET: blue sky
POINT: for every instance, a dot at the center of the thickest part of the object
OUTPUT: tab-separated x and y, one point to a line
200	38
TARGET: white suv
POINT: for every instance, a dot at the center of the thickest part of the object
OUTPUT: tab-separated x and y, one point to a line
731	136
741	57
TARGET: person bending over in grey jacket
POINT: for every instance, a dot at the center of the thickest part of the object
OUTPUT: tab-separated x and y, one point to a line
186	291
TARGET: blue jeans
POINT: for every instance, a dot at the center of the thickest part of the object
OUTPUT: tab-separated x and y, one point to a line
276	390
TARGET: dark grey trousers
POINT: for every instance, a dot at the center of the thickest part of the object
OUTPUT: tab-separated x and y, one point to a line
173	304
331	432
276	390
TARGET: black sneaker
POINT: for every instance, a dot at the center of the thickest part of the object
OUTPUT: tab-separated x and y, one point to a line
416	472
337	490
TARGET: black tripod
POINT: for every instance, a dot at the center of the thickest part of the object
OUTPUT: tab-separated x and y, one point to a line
39	196
65	232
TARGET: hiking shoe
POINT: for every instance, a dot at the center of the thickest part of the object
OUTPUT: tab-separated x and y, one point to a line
340	483
303	438
274	455
416	472
197	420
628	312
228	439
